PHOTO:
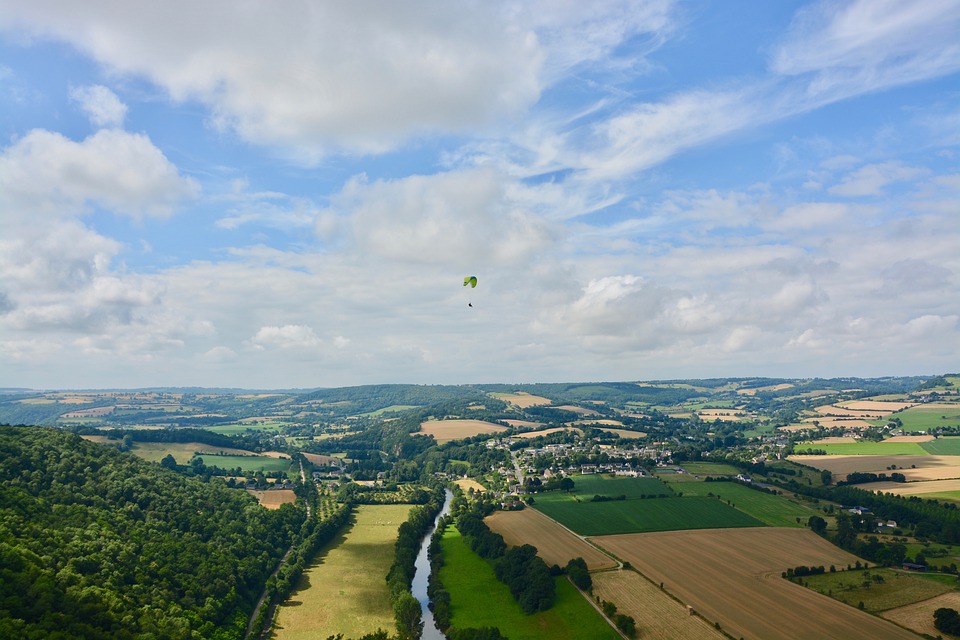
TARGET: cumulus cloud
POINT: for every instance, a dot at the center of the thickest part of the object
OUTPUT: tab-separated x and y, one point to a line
290	336
46	174
101	105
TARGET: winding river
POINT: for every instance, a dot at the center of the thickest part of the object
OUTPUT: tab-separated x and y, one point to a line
422	574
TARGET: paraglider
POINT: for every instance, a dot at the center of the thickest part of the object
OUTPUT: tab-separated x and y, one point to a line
472	282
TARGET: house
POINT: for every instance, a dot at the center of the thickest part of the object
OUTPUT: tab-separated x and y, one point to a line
910	566
742	477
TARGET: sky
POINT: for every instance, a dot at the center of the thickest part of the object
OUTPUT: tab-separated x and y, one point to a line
289	194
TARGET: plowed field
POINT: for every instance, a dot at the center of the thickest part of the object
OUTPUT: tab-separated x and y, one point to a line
732	576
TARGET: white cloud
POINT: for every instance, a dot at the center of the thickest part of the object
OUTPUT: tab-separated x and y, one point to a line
101	105
46	174
871	179
288	336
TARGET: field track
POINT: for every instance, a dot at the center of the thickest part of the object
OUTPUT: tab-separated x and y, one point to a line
732	576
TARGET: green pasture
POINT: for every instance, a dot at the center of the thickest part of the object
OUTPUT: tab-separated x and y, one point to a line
925	418
587	486
943	446
893	589
710	468
866	448
247	463
391	409
478	599
239	428
773	510
641	516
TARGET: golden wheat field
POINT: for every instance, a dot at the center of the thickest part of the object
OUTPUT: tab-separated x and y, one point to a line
554	544
447	430
657	614
926	467
275	497
521	399
732	576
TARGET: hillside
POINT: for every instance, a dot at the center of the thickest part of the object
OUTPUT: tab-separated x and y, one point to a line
99	544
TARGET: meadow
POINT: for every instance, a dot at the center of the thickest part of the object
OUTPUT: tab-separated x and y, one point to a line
478	599
247	463
638	515
929	416
344	589
878	589
586	486
710	468
943	446
864	448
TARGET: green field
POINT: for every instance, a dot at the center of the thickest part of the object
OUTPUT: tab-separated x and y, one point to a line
925	418
248	463
391	409
243	427
865	448
587	486
641	516
343	590
710	468
478	599
944	446
896	589
768	508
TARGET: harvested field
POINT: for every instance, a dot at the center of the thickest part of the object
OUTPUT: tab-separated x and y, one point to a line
927	467
835	440
834	410
912	488
521	399
877	405
606	421
730	575
543	432
841	423
181	451
910	439
467	483
343	589
724	415
575	409
447	430
919	616
753	391
523	424
275	497
555	544
657	614
624	433
321	460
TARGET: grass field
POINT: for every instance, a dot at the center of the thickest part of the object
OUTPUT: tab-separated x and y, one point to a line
877	589
710	468
478	599
929	416
773	510
235	429
635	516
392	408
731	576
181	451
344	590
554	544
586	486
943	446
657	614
248	463
865	448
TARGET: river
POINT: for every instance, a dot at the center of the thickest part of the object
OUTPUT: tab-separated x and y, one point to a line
422	574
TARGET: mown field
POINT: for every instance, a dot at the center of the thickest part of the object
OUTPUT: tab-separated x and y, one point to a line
657	614
554	544
642	515
478	599
919	616
344	590
731	575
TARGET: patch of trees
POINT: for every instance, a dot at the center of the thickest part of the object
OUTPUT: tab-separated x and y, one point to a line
624	622
98	543
599	498
860	477
525	573
803	570
947	620
579	575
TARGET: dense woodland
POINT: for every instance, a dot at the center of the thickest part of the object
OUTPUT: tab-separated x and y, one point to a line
95	543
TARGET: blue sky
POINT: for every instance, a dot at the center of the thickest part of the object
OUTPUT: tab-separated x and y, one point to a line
289	195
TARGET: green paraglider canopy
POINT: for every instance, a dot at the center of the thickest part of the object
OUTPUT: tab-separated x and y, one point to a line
470	280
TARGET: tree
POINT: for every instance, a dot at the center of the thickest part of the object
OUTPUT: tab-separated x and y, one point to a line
817	524
408	615
168	462
566	484
947	620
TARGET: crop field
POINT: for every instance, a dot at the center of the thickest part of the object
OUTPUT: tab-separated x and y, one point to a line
239	428
775	511
589	485
554	544
478	599
877	405
541	432
275	497
914	468
524	424
877	589
926	438
657	614
344	589
919	616
638	515
625	433
943	446
521	399
322	460
467	483
913	488
447	430
730	575
181	451
711	468
865	448
928	416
